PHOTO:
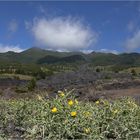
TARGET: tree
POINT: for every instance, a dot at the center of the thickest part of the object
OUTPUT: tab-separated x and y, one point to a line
98	70
133	72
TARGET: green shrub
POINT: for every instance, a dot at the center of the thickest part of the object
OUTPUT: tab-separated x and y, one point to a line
31	85
98	70
21	89
65	118
133	72
107	77
16	77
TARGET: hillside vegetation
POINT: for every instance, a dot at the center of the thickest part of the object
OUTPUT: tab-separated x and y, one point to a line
25	114
41	63
37	55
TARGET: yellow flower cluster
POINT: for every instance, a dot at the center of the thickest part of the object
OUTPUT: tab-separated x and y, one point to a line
97	102
105	102
70	103
73	114
39	97
61	93
115	111
54	110
76	101
87	130
87	114
132	104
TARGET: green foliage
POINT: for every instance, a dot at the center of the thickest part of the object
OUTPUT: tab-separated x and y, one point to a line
65	118
39	75
21	89
62	60
103	59
16	77
30	61
107	77
31	55
98	69
133	72
49	73
31	85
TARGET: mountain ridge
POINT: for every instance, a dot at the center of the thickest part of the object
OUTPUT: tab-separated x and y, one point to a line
41	56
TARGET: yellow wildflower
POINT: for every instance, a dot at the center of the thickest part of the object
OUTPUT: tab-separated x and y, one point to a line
13	102
39	97
97	102
105	102
76	101
70	102
87	114
73	114
87	130
115	111
129	102
61	93
132	104
135	105
54	110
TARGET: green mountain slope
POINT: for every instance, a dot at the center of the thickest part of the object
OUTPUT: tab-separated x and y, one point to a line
40	56
98	58
68	59
32	55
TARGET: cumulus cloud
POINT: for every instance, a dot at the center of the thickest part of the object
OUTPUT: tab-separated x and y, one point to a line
67	34
108	51
87	51
42	9
28	24
6	48
13	26
133	42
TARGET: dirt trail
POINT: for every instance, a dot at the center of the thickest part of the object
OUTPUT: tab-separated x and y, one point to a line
114	94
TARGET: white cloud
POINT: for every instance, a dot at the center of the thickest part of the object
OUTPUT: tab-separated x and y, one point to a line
13	26
42	9
6	48
133	42
87	51
28	24
67	34
108	51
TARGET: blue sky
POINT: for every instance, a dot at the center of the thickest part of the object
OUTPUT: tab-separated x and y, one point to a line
70	26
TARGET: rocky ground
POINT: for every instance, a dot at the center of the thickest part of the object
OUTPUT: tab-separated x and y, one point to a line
79	78
88	85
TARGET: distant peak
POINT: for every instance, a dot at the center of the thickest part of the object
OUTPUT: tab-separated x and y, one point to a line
93	52
10	52
35	48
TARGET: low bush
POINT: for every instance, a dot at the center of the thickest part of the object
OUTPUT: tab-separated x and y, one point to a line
64	117
32	84
133	72
19	89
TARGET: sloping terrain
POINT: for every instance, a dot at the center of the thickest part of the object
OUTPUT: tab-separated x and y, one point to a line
68	59
41	56
32	55
87	82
